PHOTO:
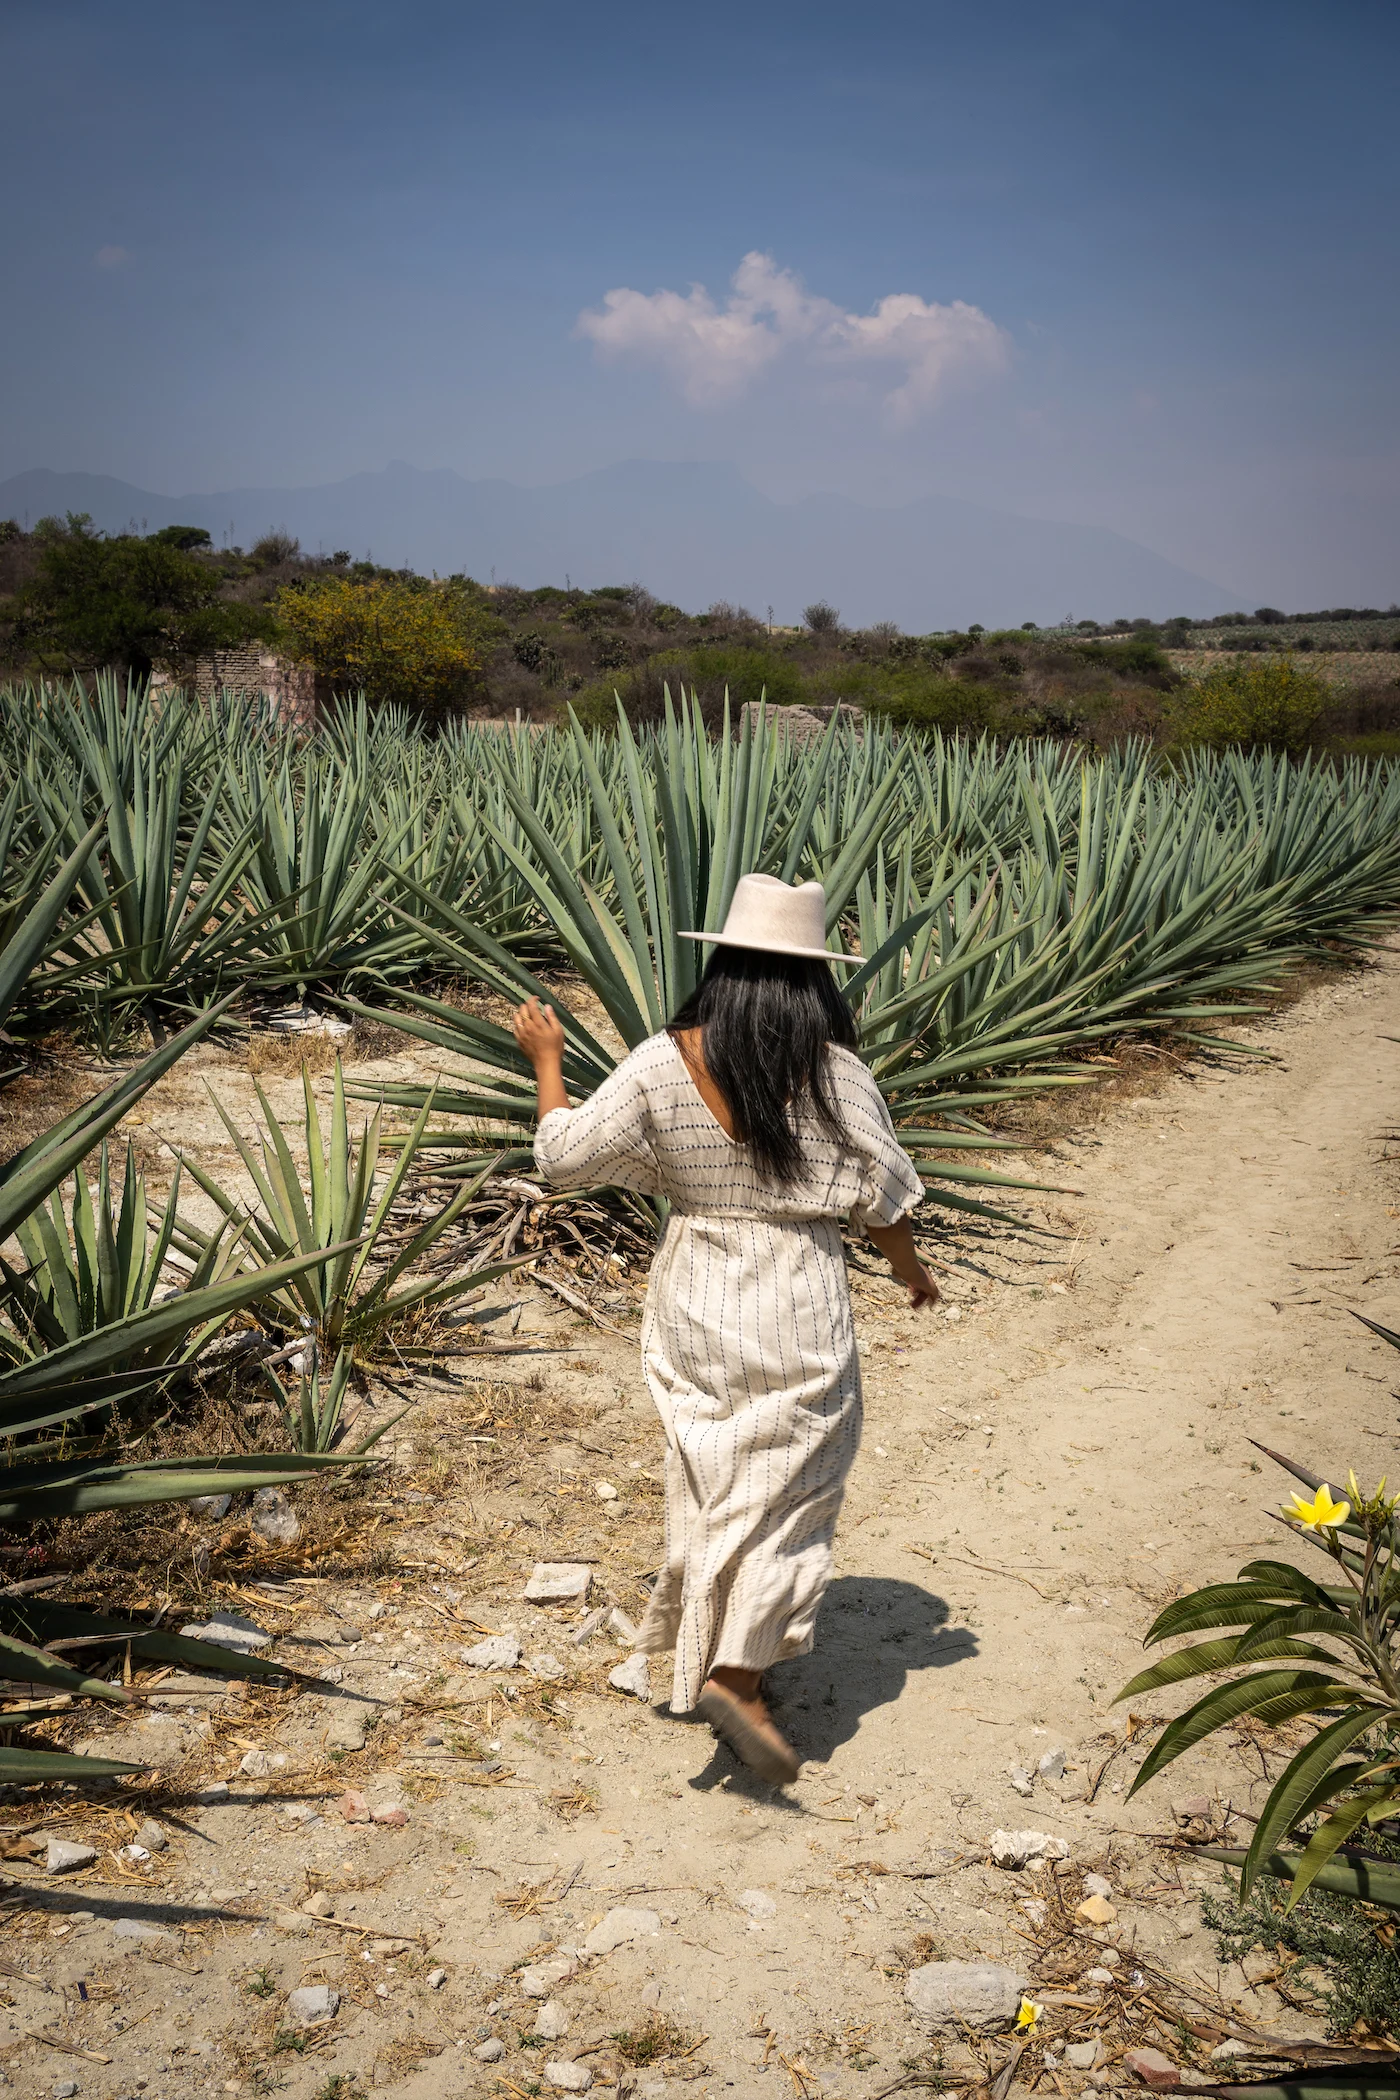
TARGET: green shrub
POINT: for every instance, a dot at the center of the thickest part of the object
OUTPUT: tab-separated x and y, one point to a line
1346	1971
924	698
748	675
1137	658
1271	701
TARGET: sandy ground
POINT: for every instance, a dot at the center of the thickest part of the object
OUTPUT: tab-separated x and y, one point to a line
1047	1460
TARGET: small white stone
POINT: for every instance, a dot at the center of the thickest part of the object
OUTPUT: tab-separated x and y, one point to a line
1022	1781
501	1652
313	2003
757	1902
605	1491
619	1927
436	1979
1098	1976
1052	1765
258	1764
490	2051
547	1667
137	1929
568	2078
558	1582
1084	2056
551	2021
227	1630
274	1519
65	1857
1098	1885
632	1677
1022	1848
543	1977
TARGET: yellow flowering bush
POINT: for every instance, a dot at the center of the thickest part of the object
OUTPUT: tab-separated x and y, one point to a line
397	641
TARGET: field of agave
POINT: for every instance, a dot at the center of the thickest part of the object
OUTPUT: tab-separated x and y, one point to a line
1012	905
167	869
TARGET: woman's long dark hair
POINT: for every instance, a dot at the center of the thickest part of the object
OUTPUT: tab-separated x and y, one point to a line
766	1022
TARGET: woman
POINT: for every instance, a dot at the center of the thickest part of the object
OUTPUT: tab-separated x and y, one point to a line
754	1119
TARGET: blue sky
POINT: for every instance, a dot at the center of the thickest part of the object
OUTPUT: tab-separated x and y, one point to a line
1144	254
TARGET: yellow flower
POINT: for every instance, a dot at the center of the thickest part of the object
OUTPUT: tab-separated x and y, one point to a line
1321	1514
1028	2015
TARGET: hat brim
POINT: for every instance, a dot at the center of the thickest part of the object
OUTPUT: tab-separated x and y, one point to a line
729	940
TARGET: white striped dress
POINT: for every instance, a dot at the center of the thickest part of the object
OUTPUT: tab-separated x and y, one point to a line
747	1344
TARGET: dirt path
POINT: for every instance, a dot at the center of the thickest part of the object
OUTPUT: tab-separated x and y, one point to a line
1044	1464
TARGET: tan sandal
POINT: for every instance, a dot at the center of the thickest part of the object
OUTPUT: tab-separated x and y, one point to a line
757	1744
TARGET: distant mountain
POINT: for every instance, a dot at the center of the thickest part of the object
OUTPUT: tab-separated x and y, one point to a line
692	533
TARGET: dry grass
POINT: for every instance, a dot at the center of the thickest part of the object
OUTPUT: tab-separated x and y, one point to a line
273	1053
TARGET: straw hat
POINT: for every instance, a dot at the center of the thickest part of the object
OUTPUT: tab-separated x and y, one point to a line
778	918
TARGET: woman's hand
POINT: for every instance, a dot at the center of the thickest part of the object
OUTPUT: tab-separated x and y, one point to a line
896	1243
922	1288
540	1034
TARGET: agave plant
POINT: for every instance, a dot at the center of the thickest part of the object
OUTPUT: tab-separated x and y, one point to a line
674	844
1328	1647
55	1373
100	1260
347	1291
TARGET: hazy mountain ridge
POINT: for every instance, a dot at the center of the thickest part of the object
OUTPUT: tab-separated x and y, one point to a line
691	532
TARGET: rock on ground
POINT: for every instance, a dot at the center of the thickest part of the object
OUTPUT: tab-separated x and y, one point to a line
1019	1848
313	2003
501	1652
544	1976
632	1677
970	1993
64	1857
1151	2068
274	1519
620	1926
569	2078
558	1582
227	1630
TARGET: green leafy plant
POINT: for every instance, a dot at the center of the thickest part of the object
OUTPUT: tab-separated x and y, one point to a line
99	1261
1261	700
346	1303
1326	1648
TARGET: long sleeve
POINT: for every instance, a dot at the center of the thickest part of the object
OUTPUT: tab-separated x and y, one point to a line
606	1139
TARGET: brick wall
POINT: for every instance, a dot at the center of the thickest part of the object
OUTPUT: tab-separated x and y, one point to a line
289	686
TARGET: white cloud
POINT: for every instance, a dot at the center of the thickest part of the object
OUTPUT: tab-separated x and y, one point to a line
713	352
111	258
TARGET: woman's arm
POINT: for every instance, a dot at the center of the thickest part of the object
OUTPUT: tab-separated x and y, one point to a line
896	1243
541	1036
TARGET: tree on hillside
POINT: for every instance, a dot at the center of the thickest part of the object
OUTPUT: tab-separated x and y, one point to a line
397	640
123	602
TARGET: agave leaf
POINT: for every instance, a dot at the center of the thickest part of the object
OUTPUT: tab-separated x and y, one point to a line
148	1330
26	945
1387	1334
36	1170
44	1620
1344	1874
21	1767
57	1490
26	1664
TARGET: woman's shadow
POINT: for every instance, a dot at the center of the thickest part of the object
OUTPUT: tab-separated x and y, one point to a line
872	1631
